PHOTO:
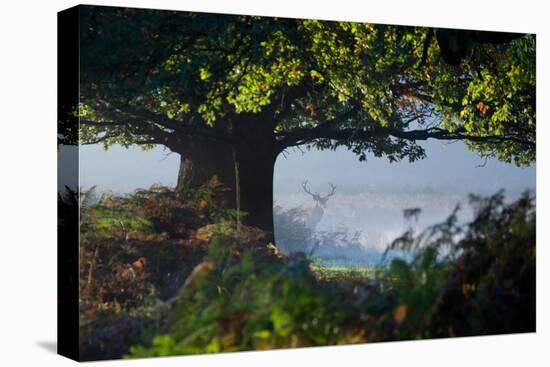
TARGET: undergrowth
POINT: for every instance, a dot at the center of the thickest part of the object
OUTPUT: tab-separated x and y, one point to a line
166	274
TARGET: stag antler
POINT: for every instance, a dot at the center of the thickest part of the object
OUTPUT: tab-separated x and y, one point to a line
304	186
332	191
318	198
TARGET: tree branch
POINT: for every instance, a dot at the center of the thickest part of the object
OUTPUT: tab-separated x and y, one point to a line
303	136
152	123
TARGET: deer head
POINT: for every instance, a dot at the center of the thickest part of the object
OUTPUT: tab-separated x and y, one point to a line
319	200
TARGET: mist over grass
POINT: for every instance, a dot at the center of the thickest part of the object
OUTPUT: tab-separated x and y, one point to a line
370	196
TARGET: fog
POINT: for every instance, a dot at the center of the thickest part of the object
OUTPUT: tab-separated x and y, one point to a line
369	198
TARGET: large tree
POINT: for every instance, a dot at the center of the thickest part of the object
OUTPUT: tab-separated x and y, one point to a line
230	93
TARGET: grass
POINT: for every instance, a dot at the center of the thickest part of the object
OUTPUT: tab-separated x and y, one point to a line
338	273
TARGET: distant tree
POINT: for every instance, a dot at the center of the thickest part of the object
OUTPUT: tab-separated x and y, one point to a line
230	93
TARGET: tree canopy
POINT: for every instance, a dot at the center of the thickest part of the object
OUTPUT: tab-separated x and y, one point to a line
158	77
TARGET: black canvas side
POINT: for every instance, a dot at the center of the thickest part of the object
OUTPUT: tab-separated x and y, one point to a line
68	208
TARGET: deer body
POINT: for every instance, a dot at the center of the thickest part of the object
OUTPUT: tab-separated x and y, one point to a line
314	217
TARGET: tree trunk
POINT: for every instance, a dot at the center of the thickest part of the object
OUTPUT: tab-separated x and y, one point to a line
254	168
200	160
246	170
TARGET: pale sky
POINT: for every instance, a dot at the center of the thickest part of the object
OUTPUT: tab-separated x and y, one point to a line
448	167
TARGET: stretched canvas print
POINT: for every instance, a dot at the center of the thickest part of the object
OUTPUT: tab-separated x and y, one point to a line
235	183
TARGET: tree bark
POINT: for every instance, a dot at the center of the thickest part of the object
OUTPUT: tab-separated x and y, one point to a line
246	170
200	160
254	172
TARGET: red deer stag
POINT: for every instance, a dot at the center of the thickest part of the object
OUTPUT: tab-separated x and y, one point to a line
320	204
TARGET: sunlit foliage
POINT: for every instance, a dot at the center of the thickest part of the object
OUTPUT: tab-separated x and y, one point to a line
166	75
